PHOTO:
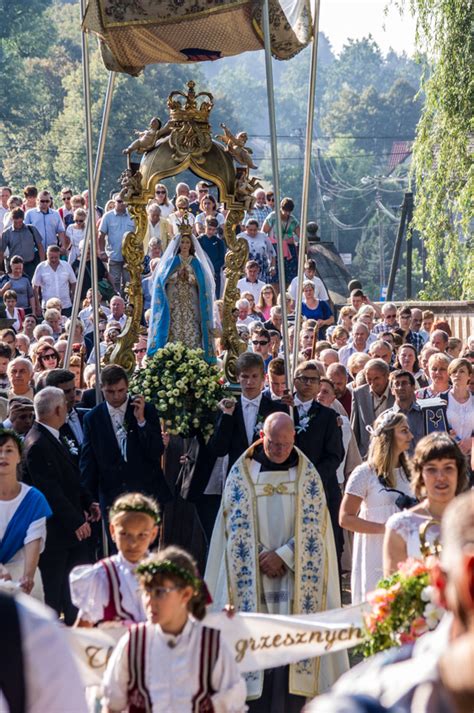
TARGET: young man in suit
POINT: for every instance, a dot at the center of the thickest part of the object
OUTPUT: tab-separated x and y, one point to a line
319	436
122	447
241	420
50	466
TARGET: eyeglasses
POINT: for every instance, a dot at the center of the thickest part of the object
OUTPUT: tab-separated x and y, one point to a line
66	198
139	351
203	190
161	591
44	200
262	343
49	356
308	379
160	193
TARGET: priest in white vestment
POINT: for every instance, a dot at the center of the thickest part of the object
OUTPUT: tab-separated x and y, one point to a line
272	551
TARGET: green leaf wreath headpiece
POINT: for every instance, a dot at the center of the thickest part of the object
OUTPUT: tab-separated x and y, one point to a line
135	507
168	567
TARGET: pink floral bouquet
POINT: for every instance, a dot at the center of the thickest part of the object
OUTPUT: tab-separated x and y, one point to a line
402	608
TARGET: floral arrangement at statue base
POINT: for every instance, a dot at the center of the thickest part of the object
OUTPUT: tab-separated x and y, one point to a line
183	387
402	608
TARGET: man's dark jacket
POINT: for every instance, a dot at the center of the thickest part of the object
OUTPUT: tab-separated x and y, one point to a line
104	470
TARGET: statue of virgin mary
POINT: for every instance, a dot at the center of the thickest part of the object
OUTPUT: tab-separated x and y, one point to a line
183	297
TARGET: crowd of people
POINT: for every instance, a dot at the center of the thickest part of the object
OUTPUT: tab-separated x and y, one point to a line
307	476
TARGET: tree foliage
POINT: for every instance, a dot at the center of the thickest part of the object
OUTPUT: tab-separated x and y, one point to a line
443	149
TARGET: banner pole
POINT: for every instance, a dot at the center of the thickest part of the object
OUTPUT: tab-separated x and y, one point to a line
276	190
306	179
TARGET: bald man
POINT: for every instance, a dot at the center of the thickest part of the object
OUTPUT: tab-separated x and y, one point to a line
261	550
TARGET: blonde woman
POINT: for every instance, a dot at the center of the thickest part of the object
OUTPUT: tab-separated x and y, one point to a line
371	496
162	199
176	219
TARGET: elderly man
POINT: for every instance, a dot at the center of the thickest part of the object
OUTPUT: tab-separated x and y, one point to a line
48	222
328	357
263	550
50	466
380	349
389	319
55	278
360	337
158	227
20	373
370	400
440	663
117	311
112	229
260	209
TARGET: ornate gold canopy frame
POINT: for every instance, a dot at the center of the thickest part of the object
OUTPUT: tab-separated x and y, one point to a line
186	142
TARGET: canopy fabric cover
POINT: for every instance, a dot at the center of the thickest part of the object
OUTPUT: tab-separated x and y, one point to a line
135	33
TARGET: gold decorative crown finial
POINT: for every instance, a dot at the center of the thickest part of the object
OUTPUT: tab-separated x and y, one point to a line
185	227
190	109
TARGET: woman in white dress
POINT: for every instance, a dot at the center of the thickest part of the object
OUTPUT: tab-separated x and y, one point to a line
460	411
439	473
371	495
23	513
173	663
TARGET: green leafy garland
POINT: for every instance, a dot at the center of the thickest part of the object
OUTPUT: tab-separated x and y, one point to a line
442	152
183	387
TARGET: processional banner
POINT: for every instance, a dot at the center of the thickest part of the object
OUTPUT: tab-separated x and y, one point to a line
258	641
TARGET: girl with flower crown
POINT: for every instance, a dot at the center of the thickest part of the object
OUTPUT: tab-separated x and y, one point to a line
172	663
373	492
108	590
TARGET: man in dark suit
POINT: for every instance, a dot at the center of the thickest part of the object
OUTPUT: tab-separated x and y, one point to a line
370	400
241	420
72	428
49	465
319	436
122	446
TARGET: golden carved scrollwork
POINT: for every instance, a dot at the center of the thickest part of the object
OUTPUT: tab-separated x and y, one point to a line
132	249
185	142
235	259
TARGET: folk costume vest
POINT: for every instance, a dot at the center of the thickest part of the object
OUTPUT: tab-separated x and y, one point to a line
138	694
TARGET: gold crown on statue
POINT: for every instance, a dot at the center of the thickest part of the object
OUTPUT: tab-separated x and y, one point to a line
190	109
185	228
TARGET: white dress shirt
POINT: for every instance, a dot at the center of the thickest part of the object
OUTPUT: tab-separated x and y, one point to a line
250	412
74	423
303	406
55	283
172	673
117	416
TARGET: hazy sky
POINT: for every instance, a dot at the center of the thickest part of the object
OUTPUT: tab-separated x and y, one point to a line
340	19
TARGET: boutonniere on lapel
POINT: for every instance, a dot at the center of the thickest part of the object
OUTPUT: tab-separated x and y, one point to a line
304	423
122	439
70	445
258	426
